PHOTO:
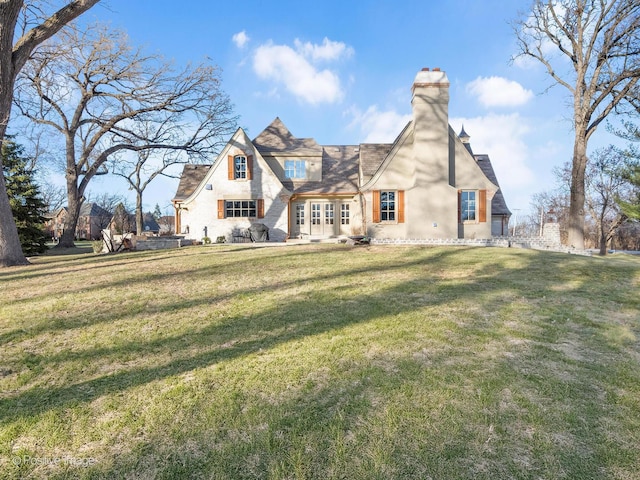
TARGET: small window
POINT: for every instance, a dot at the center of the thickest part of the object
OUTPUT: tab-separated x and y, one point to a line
239	167
467	206
241	208
387	206
344	214
294	169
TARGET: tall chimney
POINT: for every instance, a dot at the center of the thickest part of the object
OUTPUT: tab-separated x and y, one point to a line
430	106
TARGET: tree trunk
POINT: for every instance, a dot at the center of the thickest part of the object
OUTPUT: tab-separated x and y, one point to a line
11	62
10	248
73	214
603	243
577	198
139	216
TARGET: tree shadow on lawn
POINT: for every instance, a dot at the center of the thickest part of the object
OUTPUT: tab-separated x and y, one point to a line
317	416
55	322
293	315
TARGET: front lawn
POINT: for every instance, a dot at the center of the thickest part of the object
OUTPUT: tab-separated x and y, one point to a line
321	362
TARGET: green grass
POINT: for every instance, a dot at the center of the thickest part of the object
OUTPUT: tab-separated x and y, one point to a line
321	362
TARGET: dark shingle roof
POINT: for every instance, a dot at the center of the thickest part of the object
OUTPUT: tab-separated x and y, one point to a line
498	204
276	139
371	157
191	177
339	172
92	209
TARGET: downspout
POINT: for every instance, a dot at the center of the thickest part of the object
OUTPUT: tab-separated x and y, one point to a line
289	216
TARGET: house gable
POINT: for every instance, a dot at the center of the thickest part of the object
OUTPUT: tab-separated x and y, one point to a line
212	200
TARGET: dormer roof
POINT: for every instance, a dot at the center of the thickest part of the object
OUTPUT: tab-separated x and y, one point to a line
276	139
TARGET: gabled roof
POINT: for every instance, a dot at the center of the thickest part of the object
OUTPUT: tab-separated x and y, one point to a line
191	177
276	139
372	156
498	203
149	222
92	209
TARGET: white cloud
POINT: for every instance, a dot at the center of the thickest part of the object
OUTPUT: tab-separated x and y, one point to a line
329	50
503	138
376	126
296	69
499	92
241	39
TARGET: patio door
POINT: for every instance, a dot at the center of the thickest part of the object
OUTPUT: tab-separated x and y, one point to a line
317	226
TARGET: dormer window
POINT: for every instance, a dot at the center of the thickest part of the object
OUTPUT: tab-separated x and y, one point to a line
295	169
240	167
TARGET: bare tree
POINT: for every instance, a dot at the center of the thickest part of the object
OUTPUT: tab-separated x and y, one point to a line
15	49
54	196
591	48
108	100
605	182
141	169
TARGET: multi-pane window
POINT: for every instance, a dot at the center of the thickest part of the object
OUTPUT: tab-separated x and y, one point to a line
316	214
344	214
300	214
328	214
294	169
241	208
387	206
239	167
467	205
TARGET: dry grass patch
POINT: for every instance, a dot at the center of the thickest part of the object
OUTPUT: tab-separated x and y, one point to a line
320	361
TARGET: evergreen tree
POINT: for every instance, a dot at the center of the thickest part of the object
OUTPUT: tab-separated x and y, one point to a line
631	208
26	203
157	213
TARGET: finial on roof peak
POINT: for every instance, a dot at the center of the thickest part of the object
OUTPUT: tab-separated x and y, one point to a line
464	136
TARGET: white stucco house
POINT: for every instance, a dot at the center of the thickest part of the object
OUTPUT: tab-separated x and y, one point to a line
427	184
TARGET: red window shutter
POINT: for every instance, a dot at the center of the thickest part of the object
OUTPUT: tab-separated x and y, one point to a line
249	167
400	206
375	204
231	167
220	208
482	200
459	206
260	208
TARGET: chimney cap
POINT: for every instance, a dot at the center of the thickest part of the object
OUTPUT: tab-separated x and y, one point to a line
434	78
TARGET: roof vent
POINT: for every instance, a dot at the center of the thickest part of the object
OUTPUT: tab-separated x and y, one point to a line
426	69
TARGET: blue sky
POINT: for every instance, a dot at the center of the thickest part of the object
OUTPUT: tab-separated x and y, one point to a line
341	72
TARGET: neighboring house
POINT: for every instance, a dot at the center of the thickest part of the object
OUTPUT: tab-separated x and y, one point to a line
124	222
93	218
426	184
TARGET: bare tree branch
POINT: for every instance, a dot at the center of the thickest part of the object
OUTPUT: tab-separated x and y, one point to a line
109	101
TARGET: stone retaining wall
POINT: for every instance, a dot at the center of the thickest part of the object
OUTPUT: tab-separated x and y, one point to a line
536	243
159	243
